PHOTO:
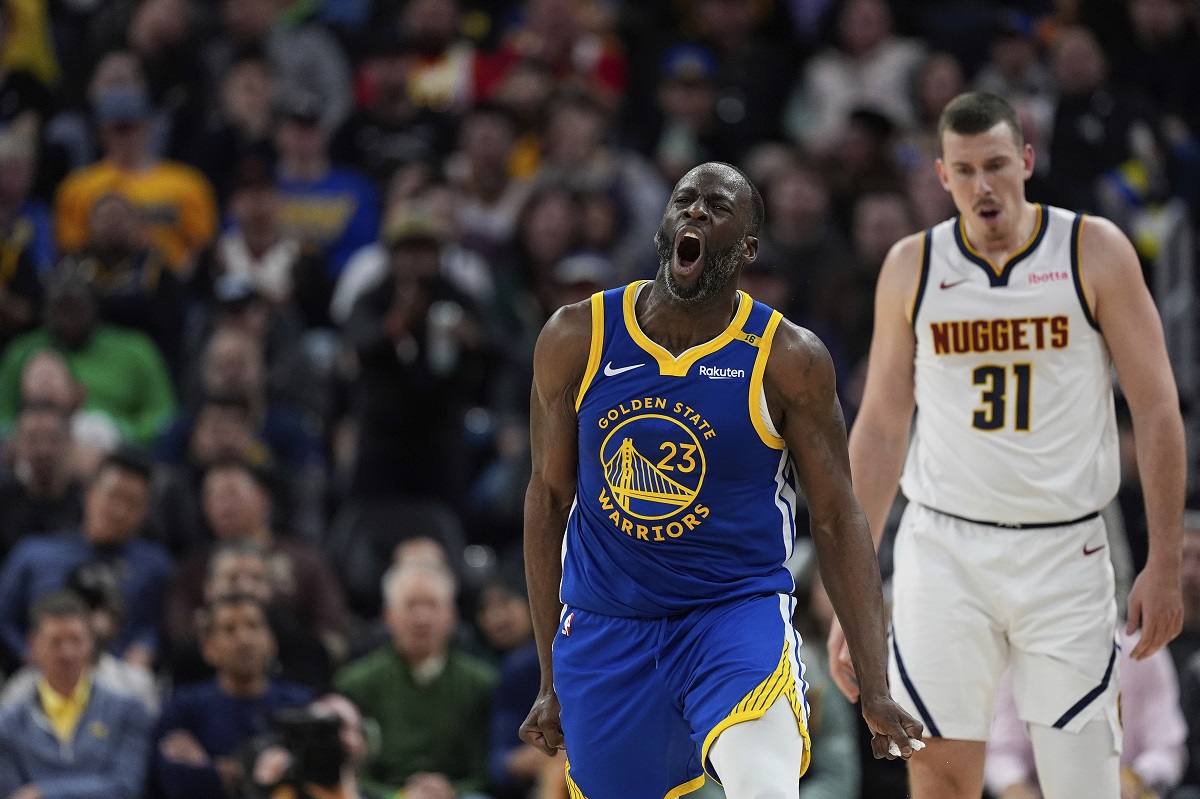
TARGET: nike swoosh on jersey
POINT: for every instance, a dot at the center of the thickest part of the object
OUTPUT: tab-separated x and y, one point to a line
610	371
1087	551
945	285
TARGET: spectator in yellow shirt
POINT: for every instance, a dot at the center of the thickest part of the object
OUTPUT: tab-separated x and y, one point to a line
176	201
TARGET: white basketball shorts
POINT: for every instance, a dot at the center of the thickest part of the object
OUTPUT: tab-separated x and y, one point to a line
972	600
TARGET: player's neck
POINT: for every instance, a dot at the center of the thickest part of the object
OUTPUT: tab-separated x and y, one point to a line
998	250
678	327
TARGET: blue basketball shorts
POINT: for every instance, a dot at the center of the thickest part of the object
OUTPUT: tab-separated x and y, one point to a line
643	699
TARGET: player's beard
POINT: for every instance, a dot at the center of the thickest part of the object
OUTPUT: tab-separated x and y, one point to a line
715	272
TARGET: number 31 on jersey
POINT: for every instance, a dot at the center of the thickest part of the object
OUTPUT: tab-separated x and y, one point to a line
994	383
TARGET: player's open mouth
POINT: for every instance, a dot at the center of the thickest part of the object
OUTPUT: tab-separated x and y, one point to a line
689	251
989	214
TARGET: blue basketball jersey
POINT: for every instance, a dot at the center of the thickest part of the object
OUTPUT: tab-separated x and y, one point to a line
686	493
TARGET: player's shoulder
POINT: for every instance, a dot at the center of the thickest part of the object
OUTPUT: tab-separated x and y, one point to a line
902	267
796	341
563	347
1104	251
798	356
568	328
1100	233
906	257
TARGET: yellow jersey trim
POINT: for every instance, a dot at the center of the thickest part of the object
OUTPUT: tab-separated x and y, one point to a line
999	270
597	349
781	683
668	364
756	383
689	786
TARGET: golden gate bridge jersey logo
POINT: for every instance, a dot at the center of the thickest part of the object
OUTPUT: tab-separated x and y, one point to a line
654	466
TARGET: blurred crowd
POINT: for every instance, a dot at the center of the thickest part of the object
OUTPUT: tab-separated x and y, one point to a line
271	272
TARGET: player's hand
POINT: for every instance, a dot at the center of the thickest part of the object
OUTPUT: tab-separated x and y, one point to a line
841	668
1156	606
542	727
894	733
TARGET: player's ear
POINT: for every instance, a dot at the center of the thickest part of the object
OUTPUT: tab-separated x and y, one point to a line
749	248
940	167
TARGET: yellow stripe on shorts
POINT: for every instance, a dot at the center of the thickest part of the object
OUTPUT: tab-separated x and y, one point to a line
573	791
781	682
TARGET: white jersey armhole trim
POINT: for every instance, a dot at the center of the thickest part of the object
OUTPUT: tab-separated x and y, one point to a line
765	413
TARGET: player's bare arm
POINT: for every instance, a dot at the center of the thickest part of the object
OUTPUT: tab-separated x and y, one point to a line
1124	309
800	389
879	440
559	362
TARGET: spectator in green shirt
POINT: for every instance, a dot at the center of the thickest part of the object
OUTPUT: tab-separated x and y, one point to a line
124	373
431	702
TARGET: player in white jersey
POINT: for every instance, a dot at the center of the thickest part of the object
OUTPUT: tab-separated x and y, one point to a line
1001	328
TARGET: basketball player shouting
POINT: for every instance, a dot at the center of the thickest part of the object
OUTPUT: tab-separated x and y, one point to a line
672	423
